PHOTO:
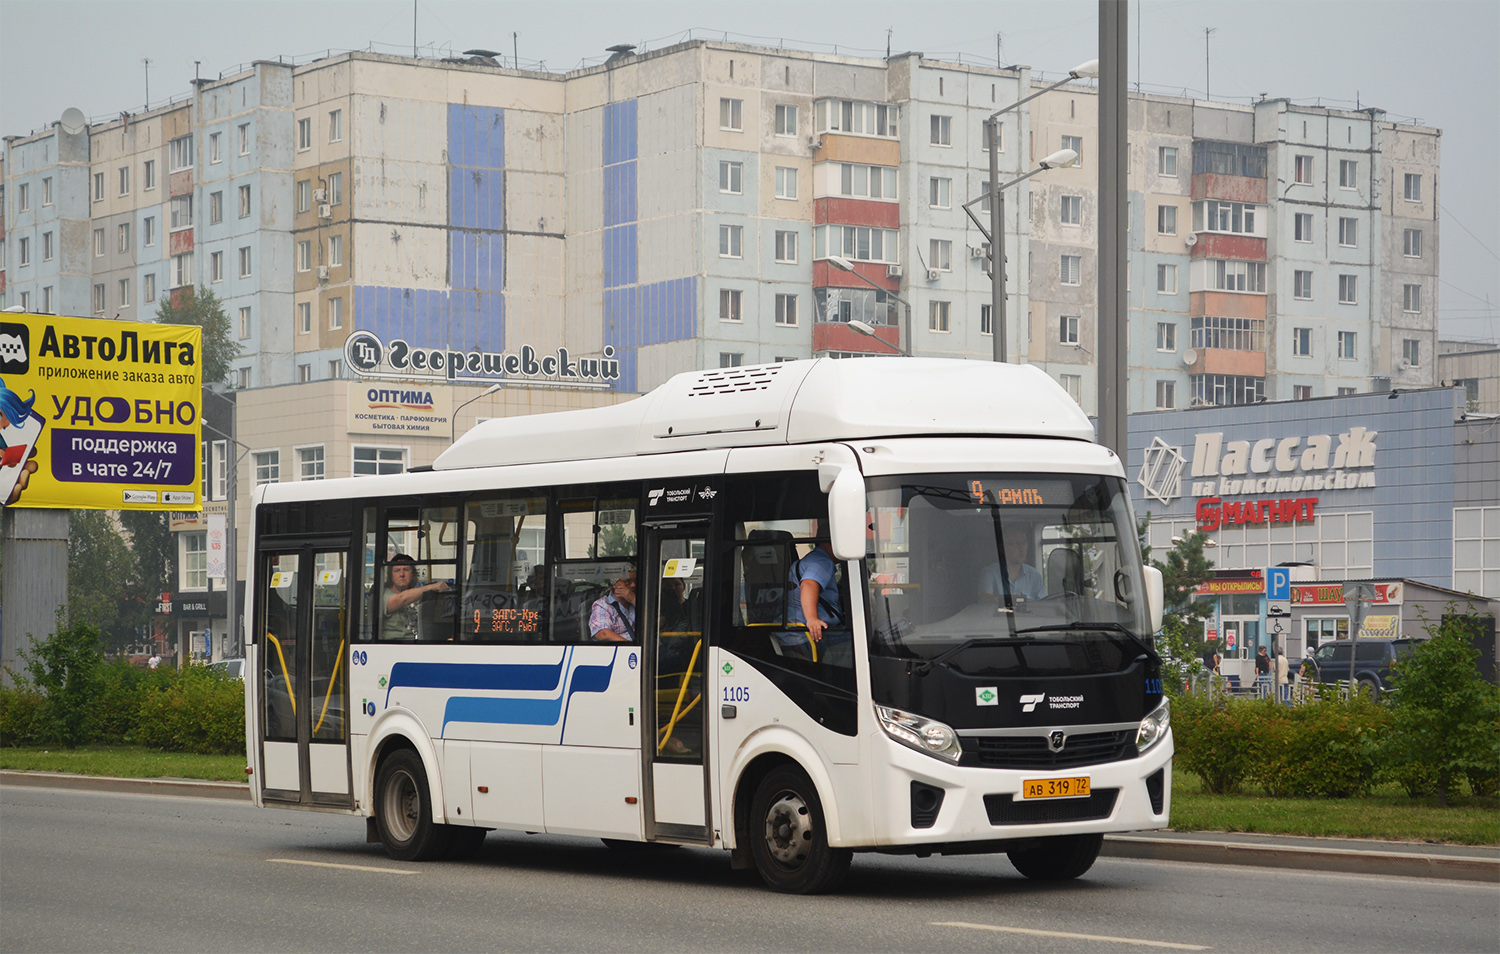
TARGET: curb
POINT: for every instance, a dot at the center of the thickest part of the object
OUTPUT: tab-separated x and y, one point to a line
1301	857
1306	858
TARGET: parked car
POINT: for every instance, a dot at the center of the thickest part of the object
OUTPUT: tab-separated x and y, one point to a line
1372	661
233	668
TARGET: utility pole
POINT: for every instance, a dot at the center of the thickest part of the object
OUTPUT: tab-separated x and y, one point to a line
1207	89
146	60
1111	313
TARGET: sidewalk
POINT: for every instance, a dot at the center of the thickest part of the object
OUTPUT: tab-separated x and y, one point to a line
1401	858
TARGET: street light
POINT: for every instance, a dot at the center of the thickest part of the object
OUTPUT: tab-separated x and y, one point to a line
864	329
997	205
843	264
232	543
453	421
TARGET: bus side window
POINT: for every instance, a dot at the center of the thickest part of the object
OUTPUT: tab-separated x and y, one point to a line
504	597
427	538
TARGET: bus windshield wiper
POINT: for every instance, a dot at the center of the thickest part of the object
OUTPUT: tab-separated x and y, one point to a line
1080	626
941	659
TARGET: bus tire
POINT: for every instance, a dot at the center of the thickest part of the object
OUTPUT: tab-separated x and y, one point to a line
788	836
1058	859
403	810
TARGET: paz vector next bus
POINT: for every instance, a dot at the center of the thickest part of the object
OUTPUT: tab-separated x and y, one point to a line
595	622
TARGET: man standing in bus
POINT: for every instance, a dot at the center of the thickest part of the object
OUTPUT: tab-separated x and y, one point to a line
612	619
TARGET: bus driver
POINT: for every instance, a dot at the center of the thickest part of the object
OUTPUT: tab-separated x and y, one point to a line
402	597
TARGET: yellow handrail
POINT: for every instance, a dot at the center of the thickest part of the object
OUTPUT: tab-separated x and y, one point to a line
291	692
332	681
677	710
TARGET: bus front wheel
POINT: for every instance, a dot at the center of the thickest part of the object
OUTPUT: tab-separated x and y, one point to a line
403	810
1058	859
788	838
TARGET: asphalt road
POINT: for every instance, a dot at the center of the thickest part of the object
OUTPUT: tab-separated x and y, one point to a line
91	871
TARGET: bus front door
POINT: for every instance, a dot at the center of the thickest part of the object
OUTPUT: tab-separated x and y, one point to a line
304	673
675	705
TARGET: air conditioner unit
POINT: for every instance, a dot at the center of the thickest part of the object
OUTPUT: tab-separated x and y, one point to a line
320	195
979	251
325	211
893	271
322	273
815	142
932	274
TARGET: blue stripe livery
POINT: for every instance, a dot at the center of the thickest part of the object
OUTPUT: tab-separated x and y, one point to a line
495	677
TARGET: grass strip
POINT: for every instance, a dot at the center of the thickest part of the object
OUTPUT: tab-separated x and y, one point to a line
125	761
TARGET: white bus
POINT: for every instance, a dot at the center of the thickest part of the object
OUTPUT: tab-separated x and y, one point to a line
592	623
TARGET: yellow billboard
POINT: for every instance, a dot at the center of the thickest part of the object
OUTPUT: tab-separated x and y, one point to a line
99	415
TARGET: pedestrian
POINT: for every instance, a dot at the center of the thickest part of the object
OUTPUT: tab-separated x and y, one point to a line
1283	676
154	661
1263	670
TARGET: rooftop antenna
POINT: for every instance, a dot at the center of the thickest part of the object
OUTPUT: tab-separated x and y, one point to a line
147	61
1207	32
999	51
196	64
888	32
515	50
413	29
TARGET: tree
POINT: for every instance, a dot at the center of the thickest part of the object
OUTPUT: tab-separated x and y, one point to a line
1184	569
100	567
155	550
66	667
203	308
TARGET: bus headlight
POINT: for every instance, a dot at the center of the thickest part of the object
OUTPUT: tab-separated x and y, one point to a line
925	735
1153	728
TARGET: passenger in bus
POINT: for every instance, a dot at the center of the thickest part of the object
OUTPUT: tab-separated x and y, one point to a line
1025	579
813	597
612	618
402	596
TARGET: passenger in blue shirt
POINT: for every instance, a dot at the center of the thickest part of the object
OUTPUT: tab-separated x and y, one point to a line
1025	580
813	598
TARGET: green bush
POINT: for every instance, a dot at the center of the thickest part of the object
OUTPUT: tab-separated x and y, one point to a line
1329	748
123	686
65	669
21	713
198	711
1215	739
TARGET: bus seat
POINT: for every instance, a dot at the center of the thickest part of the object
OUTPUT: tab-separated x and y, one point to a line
1064	572
764	566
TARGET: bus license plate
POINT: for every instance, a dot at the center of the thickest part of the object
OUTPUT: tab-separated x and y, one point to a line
1055	787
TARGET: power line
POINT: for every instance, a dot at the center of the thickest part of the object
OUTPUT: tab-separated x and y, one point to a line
1476	238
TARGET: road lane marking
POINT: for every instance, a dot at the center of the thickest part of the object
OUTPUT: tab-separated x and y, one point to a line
1070	935
330	864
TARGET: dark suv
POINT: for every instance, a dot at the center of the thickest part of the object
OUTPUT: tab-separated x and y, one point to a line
1372	661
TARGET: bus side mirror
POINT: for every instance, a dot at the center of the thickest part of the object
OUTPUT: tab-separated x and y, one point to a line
846	514
1155	596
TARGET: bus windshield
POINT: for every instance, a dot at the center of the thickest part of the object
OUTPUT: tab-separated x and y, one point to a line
1005	574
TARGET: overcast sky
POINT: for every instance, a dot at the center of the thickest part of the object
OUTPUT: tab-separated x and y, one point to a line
1434	62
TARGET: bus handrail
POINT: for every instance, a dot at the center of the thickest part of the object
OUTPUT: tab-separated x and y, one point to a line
332	681
291	691
677	710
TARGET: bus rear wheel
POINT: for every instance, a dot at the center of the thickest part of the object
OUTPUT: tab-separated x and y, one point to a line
1058	859
403	810
788	838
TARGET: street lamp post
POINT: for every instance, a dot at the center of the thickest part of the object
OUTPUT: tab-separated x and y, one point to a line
453	422
231	542
997	204
843	264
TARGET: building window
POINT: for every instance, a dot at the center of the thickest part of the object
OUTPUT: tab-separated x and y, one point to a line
180	153
876	182
1067	329
1074	143
1237	218
1166	161
1413	191
1411	298
46	247
940	193
23	197
1411	243
1302	227
1071	267
937	316
1166	279
336	189
182	270
1348	289
215	208
335	369
148	231
244	138
148	175
729	304
1302	285
124	181
860	119
304	256
942	131
1073	384
335	251
731	241
195	560
335	125
856	243
1239	276
1301	392
786	182
310	463
46	191
786	120
46	299
181	209
1411	352
1348	173
731	359
1302	170
1346	392
1229	334
244	261
984	321
786	247
940	254
304	372
1347	345
1166	220
267	467
786	309
1166	395
1349	232
244	201
99	299
335	314
1071	210
215	154
242	378
378	461
23	250
1302	342
215	266
729	114
304	195
124	288
304	317
148	287
244	324
1166	336
98	187
731	177
304	134
1226	389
